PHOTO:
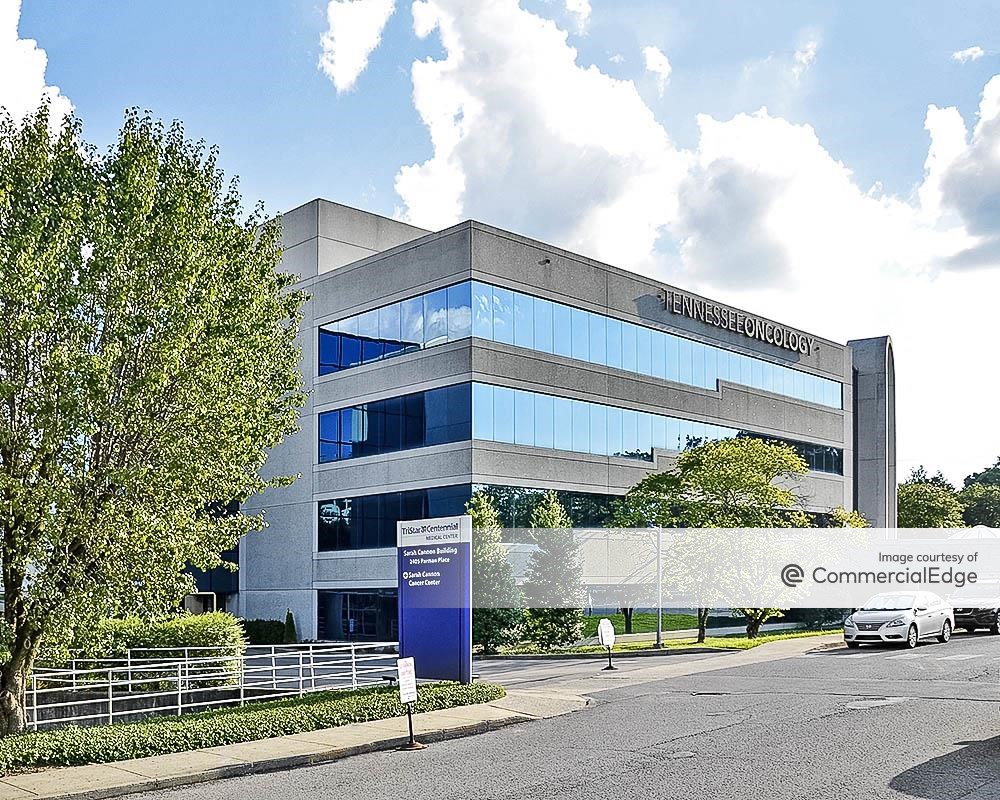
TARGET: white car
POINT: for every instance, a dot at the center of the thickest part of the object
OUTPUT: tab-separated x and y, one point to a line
901	618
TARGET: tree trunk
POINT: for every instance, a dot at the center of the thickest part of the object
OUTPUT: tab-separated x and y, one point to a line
627	614
753	625
702	624
12	715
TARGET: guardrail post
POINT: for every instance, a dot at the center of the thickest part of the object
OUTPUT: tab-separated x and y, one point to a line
354	666
128	661
72	665
180	691
274	674
111	697
243	662
301	688
34	703
312	666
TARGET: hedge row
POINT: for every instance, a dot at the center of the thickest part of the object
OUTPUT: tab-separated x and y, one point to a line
100	744
111	638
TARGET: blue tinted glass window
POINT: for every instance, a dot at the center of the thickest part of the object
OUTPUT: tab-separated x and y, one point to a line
503	415
580	335
389	329
614	431
758	374
371	344
524	418
673	433
711	367
329	352
543	325
673	359
598	338
435	317
643	347
630	431
598	429
659	431
482	412
350	350
411	321
459	311
628	346
614	352
698	364
562	333
503	315
562	424
329	436
544	430
658	355
482	311
644	433
352	429
581	427
524	320
684	360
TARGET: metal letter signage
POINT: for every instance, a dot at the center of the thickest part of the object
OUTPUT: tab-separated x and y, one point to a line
732	320
434	569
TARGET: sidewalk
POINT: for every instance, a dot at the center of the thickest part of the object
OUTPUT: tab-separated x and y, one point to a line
266	755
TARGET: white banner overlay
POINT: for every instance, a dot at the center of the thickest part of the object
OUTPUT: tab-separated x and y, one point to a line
748	567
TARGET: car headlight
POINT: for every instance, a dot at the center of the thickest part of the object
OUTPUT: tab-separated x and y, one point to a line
849	623
895	623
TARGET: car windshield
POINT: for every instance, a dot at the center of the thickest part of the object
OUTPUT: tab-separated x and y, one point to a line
890	602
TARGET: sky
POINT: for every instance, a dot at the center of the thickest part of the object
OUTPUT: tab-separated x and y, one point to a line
832	166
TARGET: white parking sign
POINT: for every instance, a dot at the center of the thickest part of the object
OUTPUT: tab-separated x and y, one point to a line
606	633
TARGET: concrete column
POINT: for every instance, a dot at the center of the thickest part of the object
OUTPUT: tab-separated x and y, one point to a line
875	430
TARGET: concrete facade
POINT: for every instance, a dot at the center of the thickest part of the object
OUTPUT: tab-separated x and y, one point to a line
351	262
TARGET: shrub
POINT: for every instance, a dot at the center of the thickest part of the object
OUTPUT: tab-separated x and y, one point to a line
291	636
100	744
263	631
112	638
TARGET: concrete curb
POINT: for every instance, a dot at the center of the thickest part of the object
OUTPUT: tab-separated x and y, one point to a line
283	762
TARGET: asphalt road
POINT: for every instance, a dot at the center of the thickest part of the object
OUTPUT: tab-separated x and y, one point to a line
874	723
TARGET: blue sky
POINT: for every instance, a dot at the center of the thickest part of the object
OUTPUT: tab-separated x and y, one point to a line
863	201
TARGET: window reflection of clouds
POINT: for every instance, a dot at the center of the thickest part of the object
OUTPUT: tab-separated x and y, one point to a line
503	315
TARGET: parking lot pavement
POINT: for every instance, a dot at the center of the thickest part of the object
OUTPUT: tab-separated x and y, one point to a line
839	724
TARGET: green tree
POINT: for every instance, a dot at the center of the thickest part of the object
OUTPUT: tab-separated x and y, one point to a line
928	505
553	585
981	504
989	476
496	600
290	635
921	475
733	483
147	363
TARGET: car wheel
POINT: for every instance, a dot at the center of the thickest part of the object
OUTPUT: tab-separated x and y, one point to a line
945	634
911	637
852	645
995	627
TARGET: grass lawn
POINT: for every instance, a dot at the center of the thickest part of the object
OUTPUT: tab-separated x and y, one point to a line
731	642
646	622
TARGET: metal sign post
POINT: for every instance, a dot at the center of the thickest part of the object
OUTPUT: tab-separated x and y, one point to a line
408	696
606	636
659	589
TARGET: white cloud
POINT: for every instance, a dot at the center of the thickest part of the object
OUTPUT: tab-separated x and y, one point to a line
759	213
354	30
973	53
617	58
524	136
657	63
22	71
580	9
803	58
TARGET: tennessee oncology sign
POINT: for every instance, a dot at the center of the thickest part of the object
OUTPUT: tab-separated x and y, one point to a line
732	320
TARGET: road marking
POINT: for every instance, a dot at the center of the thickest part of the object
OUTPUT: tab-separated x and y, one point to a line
963	657
909	655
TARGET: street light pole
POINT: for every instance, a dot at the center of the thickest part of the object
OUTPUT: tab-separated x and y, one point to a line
659	589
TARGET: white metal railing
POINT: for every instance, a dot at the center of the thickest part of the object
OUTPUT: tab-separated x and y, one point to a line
159	681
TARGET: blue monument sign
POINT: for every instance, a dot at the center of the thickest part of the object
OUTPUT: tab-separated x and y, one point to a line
434	568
